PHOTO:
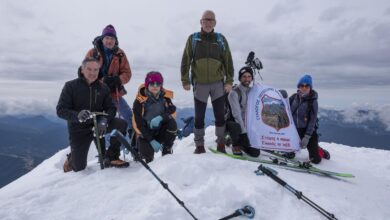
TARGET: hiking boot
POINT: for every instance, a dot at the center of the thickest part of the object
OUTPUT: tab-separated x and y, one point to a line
118	163
323	153
166	150
199	150
228	140
289	155
236	151
67	167
221	148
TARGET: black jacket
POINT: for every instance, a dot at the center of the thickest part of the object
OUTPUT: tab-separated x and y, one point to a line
77	95
304	111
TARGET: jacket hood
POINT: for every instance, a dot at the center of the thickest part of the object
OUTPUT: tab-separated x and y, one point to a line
313	95
81	76
98	44
142	96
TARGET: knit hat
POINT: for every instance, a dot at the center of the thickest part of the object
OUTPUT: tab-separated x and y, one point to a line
109	30
306	79
245	69
153	77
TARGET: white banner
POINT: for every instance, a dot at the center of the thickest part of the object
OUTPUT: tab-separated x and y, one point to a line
269	121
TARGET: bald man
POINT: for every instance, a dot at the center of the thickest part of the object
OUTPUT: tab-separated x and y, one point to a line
207	54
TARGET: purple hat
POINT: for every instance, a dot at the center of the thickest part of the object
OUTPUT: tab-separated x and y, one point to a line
109	30
153	77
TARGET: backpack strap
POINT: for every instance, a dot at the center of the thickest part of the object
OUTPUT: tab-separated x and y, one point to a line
95	54
220	40
238	91
194	39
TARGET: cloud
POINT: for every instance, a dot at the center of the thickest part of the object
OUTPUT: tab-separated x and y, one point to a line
280	10
332	13
344	45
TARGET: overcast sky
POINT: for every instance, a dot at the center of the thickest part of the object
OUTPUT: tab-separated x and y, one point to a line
344	45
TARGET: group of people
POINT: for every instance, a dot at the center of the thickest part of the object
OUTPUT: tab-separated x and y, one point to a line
206	66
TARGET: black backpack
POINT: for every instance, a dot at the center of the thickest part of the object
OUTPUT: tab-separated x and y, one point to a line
228	108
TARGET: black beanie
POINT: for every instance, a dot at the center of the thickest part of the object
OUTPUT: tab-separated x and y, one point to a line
245	69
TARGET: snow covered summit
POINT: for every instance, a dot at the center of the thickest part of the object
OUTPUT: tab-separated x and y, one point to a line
211	186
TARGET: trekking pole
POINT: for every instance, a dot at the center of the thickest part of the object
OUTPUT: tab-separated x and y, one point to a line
119	112
247	211
122	139
297	193
117	101
95	129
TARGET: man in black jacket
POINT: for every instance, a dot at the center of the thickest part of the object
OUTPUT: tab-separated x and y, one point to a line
79	98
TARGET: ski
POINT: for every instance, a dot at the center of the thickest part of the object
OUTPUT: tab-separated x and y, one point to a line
304	164
287	165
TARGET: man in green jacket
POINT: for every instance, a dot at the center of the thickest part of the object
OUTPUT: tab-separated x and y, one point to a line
207	54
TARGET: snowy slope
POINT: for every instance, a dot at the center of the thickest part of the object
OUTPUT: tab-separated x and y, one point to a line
212	186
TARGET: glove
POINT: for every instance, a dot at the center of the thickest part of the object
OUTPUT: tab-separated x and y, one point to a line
305	140
102	126
84	115
155	122
156	145
113	82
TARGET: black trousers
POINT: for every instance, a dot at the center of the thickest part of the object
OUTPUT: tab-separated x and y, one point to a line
312	146
81	141
240	140
218	109
166	135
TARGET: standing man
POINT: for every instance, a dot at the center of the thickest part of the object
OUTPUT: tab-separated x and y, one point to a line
235	124
114	69
208	55
79	98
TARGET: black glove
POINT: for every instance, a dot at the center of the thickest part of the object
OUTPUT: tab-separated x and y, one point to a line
113	82
84	115
102	126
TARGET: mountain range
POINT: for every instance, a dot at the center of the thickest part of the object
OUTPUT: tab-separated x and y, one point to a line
28	140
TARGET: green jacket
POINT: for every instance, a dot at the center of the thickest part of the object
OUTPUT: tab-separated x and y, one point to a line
210	62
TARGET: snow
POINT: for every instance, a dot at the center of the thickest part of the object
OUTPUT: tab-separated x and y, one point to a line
211	186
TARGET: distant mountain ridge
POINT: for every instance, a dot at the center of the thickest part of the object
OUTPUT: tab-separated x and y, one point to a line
28	140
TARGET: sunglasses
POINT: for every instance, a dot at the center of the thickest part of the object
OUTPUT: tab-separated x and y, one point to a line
208	19
304	86
155	84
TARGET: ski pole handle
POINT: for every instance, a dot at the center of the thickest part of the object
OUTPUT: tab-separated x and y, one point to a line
270	174
99	113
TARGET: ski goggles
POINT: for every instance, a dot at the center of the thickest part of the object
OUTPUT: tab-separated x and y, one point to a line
155	84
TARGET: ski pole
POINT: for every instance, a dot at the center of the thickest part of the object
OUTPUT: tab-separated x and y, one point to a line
122	139
247	211
297	193
117	100
95	128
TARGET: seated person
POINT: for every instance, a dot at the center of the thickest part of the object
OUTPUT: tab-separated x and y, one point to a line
235	124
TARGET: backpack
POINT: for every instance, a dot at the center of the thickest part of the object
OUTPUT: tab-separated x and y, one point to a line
228	108
309	107
195	38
